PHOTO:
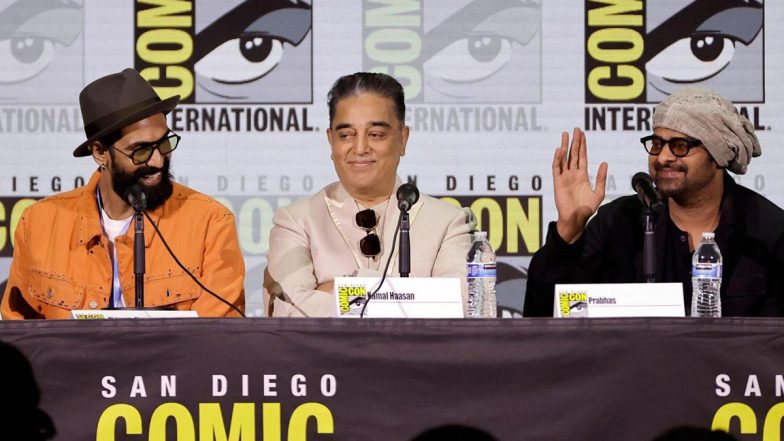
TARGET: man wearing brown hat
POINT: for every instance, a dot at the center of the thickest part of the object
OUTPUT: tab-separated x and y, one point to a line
698	137
74	250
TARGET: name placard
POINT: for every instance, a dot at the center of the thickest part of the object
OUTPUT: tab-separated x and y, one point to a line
619	300
92	314
399	297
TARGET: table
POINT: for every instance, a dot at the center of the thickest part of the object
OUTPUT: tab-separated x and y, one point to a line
351	379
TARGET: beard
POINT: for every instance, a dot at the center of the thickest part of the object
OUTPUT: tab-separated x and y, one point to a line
675	187
156	194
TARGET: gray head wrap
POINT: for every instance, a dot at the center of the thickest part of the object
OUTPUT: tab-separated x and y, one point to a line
705	115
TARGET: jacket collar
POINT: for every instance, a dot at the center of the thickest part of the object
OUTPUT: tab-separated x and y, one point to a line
342	209
88	230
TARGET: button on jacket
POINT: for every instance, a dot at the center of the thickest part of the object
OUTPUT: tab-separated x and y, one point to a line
62	260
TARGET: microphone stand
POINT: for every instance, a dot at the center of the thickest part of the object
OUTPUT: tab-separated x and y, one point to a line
138	258
649	249
405	245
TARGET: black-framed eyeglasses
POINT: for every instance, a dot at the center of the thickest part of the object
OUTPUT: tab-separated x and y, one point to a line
679	147
370	245
143	153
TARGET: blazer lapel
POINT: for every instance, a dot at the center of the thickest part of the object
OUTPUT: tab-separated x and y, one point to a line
342	211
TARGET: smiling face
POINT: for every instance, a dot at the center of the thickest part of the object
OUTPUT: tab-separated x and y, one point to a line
682	177
153	176
367	142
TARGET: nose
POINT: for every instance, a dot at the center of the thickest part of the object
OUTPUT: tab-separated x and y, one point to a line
666	156
156	160
361	147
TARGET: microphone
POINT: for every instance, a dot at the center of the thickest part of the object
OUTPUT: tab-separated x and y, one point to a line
136	198
407	196
649	196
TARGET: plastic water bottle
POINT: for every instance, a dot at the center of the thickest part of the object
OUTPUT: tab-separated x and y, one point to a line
481	277
706	278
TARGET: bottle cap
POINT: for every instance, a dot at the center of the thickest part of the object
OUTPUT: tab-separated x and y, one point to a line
484	233
708	235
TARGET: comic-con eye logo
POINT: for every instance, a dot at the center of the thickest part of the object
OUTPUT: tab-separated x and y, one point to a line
41	51
480	51
639	51
229	52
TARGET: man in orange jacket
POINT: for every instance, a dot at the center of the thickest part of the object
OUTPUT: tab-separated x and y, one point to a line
74	250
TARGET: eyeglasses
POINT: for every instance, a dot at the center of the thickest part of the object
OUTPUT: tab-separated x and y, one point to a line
143	153
370	245
678	146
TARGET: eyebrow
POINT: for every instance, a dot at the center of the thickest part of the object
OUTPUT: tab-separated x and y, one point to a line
370	124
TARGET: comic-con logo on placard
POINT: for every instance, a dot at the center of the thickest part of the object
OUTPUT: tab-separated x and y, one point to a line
450	54
642	51
226	52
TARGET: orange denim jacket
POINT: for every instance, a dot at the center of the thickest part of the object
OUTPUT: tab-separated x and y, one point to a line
62	262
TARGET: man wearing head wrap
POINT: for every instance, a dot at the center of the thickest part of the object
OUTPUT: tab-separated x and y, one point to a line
698	138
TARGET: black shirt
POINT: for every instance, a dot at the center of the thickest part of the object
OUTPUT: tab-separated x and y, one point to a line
749	235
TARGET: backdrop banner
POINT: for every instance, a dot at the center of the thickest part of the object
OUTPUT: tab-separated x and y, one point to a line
490	86
333	379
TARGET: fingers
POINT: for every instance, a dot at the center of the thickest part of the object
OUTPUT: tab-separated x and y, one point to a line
583	156
574	150
559	158
601	180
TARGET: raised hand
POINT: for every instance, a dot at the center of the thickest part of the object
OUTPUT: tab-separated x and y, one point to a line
575	200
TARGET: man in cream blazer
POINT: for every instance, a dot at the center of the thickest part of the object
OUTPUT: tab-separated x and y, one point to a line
318	238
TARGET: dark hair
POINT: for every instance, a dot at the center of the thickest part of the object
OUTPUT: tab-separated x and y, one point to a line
367	82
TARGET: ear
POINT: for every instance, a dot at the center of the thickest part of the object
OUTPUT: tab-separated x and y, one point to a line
329	140
404	137
100	153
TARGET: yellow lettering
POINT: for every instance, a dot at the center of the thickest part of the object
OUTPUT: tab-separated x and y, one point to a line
241	428
183	75
271	421
108	421
182	419
745	414
298	424
16	215
616	93
255	222
166	14
495	229
3	230
528	224
170	37
616	35
772	429
394	13
613	15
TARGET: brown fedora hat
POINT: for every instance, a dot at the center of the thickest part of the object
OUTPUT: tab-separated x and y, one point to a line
116	101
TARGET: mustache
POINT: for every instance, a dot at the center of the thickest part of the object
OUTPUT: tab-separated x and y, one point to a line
147	171
677	167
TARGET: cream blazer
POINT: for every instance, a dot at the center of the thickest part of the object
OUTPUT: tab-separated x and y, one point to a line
316	239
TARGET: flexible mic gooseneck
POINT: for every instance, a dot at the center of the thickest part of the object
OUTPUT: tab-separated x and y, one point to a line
138	201
653	202
166	245
407	196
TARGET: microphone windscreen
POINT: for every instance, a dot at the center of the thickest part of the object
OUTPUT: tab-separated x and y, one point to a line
407	196
136	197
